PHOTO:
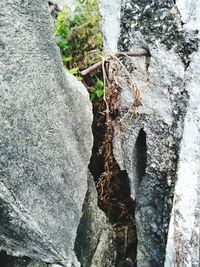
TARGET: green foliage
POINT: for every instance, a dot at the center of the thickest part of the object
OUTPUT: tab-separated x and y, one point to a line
98	91
78	36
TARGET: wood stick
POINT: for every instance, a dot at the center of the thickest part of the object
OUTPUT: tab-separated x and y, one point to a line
92	68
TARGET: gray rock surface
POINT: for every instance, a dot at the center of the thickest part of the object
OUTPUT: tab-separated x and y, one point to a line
45	138
158	147
95	242
161	81
110	23
189	10
184	232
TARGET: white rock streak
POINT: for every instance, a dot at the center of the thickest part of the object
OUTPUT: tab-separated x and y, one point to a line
110	23
190	10
183	238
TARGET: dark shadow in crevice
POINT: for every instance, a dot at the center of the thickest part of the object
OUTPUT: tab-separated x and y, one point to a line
141	156
11	261
96	165
116	202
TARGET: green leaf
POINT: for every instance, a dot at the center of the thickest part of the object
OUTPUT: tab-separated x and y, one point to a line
99	85
92	96
73	71
79	78
58	38
99	93
62	43
66	59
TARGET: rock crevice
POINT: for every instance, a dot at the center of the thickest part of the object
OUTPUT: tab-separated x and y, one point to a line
165	96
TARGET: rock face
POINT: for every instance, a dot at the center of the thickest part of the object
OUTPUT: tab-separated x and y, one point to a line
183	238
155	146
110	23
45	138
95	238
189	10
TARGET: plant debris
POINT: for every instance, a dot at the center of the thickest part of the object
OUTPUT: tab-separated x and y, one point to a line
112	184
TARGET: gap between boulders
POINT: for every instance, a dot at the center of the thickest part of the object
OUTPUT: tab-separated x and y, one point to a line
113	187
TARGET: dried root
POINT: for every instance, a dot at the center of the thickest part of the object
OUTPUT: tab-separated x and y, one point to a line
118	206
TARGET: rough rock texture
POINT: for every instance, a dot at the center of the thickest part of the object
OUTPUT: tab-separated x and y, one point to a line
183	239
45	138
189	10
110	23
95	238
155	146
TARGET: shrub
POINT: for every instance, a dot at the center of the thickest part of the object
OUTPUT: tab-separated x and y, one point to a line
78	36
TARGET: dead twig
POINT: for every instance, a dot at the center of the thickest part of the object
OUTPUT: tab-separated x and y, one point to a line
92	68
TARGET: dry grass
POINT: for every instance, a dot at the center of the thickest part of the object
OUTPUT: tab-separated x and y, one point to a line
112	70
